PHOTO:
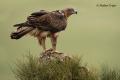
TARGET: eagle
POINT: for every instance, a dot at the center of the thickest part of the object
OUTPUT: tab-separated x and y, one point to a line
43	24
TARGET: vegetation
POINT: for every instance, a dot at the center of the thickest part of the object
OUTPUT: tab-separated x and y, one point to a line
109	74
70	69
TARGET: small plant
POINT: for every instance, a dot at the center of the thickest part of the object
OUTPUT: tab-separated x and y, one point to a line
70	69
109	74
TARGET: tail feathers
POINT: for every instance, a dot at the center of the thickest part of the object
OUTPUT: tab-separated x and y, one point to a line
21	33
21	25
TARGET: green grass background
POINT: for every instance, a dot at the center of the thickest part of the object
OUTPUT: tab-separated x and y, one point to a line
94	33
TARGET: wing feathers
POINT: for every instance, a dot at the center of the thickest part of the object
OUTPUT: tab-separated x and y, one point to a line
40	13
47	21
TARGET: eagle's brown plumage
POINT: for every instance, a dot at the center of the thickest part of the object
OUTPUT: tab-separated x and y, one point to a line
44	24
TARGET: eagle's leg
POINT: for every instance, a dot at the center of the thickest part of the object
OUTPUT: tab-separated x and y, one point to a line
54	37
41	41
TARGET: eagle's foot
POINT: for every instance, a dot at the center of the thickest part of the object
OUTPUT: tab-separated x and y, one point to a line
52	50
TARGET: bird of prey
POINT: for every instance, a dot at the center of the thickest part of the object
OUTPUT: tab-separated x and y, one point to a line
44	24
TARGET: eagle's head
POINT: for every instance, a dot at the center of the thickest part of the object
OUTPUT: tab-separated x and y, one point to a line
69	11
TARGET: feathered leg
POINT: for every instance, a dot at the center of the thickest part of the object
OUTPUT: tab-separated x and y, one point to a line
41	41
54	37
42	38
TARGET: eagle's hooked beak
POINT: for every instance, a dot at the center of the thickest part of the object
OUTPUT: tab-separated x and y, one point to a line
75	12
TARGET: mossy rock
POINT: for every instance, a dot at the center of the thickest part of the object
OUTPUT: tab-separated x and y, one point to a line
50	55
52	66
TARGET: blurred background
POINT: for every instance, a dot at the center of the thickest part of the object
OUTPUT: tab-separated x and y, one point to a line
94	33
